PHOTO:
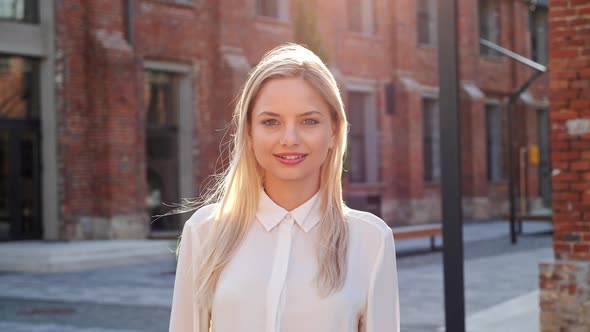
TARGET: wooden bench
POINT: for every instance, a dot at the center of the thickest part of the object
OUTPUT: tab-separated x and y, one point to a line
418	231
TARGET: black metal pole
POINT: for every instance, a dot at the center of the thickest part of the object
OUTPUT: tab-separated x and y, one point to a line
452	214
539	70
511	189
511	148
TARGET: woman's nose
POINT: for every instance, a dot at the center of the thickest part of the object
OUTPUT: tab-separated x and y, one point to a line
289	136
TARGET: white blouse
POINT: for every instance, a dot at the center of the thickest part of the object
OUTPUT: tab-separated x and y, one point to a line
269	286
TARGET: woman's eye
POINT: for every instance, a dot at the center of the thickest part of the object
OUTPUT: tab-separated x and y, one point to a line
270	122
310	121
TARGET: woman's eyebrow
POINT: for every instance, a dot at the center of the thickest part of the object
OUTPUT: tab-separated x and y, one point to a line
267	113
311	112
278	115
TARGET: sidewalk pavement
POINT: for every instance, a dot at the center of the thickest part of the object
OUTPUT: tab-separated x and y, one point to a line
39	256
515	315
499	277
501	282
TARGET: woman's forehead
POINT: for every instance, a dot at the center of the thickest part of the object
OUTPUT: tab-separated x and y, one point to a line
282	95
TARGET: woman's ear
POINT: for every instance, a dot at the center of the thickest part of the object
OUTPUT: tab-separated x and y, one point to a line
333	137
249	136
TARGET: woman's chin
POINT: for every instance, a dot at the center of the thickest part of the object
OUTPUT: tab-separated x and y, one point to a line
287	177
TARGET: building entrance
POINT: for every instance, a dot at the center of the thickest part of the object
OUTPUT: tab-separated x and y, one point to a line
20	155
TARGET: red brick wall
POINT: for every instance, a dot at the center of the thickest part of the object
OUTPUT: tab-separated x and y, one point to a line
99	77
75	156
564	296
565	283
100	107
570	95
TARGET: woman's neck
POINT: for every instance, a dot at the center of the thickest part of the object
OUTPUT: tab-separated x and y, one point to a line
290	196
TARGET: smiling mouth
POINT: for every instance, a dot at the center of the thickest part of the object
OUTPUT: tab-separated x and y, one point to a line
291	157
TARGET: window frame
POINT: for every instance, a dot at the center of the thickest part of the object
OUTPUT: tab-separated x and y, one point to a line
372	150
488	8
495	172
429	9
30	13
367	19
282	10
539	39
185	74
433	130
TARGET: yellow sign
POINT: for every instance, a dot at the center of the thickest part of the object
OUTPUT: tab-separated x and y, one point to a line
534	155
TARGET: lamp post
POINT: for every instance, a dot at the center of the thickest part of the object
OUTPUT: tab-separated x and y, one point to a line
452	214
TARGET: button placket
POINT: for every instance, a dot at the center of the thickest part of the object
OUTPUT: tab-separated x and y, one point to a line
279	273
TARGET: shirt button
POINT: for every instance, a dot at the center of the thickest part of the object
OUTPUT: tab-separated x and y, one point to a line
288	217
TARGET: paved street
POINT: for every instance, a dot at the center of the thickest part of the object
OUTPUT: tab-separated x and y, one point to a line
495	272
138	297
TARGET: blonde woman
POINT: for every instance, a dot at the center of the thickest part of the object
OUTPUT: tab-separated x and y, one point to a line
276	249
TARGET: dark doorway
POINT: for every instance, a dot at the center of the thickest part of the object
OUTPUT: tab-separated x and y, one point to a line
161	108
20	153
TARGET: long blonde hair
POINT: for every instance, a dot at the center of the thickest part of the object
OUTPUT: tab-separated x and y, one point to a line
237	188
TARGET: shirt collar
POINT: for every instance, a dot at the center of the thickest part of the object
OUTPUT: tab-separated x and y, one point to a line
270	214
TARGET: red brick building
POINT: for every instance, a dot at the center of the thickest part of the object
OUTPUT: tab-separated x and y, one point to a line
129	99
565	282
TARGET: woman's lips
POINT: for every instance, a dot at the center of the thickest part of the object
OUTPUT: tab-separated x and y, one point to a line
290	159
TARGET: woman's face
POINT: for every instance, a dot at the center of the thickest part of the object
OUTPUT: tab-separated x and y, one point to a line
291	131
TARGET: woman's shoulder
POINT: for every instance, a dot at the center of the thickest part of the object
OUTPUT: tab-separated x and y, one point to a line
366	220
202	216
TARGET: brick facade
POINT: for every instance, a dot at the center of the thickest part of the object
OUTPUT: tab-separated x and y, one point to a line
102	124
565	282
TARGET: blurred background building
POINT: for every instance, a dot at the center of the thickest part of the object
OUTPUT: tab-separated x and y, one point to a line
109	108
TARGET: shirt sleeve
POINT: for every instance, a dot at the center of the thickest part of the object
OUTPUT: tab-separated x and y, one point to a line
382	311
186	316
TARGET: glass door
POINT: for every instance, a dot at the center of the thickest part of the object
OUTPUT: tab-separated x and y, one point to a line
20	153
20	208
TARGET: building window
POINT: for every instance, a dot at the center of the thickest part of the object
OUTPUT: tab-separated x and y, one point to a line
161	107
427	22
274	9
361	16
127	17
161	99
494	143
19	89
357	137
431	140
363	144
538	30
489	24
19	10
268	8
